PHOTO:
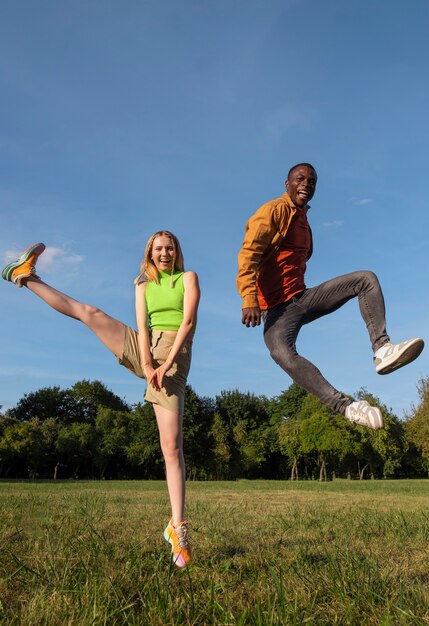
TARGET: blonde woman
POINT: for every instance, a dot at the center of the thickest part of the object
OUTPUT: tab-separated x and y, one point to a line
166	300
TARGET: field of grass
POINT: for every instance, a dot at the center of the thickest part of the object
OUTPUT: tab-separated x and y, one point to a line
265	552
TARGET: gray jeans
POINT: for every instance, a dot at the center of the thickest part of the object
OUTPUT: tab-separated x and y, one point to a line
283	323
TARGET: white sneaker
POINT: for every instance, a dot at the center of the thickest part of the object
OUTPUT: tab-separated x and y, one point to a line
364	414
392	356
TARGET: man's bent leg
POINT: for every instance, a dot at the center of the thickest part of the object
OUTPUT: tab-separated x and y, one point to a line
282	325
329	296
333	294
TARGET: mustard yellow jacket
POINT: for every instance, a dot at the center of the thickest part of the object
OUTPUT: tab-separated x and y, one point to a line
264	233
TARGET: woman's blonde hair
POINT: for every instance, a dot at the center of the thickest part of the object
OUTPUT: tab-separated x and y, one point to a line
148	269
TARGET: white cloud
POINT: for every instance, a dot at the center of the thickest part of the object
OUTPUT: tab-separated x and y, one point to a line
53	256
333	224
362	201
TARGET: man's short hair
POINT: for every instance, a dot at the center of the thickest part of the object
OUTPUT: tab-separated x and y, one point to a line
294	167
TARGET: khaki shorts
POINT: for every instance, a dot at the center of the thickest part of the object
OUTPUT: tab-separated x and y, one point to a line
172	394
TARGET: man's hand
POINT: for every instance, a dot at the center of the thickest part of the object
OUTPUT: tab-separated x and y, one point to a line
251	316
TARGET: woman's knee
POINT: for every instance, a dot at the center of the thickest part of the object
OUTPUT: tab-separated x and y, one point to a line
89	314
171	451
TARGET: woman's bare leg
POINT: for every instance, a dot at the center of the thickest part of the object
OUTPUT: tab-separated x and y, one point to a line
171	437
110	331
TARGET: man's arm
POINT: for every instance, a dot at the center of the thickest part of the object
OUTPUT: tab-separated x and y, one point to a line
260	231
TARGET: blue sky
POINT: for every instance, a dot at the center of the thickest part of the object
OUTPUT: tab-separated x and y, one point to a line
119	119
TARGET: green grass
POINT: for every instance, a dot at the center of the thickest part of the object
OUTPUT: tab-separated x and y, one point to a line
265	552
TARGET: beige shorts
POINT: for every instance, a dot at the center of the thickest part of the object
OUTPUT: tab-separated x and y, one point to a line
172	394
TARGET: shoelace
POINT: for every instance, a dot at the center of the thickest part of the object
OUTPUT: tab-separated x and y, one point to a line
363	408
390	349
33	270
182	536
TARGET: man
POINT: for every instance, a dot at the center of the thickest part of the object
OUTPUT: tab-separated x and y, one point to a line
271	267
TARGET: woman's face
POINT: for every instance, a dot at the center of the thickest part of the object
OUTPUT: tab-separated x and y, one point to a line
162	253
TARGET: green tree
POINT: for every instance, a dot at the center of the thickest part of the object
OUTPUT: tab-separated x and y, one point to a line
287	405
381	451
43	403
246	421
221	449
144	451
417	424
324	435
115	431
197	443
76	444
24	445
286	429
86	397
78	404
14	446
290	436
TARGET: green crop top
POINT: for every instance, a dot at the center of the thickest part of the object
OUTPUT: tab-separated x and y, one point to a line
164	303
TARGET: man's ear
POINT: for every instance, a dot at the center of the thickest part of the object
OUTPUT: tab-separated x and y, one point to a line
287	185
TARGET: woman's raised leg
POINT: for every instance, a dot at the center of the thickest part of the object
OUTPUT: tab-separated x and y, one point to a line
111	332
23	273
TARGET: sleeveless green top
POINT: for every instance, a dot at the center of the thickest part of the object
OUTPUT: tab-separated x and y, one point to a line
164	303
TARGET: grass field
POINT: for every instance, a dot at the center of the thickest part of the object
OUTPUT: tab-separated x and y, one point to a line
265	552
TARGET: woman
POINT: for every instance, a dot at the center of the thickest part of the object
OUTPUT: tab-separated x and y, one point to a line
167	300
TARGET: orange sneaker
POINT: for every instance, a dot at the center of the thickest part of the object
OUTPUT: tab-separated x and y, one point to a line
180	546
24	267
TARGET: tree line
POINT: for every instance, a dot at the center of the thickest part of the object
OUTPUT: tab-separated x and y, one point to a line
87	431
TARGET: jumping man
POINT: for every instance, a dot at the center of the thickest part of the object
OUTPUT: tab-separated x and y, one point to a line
271	269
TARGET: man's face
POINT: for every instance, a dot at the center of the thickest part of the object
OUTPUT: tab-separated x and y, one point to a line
301	185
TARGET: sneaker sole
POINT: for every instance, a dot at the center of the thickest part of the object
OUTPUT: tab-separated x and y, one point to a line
410	353
36	248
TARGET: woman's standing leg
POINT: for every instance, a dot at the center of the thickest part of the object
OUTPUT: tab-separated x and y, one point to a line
171	438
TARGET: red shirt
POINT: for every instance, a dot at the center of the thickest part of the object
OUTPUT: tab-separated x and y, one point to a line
282	276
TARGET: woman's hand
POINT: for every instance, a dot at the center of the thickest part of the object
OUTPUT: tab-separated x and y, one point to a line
157	377
148	371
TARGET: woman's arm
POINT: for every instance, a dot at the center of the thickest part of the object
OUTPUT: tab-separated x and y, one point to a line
190	307
143	333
